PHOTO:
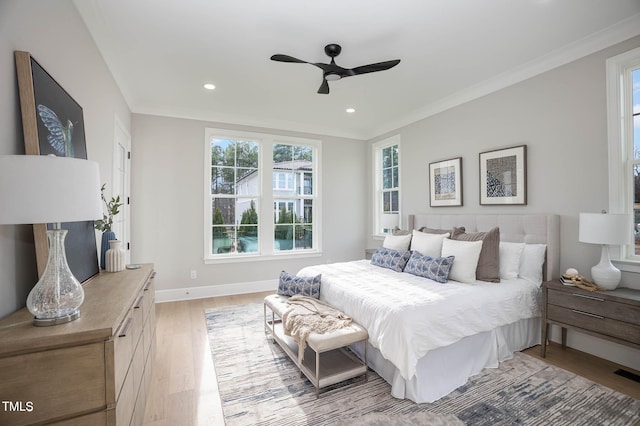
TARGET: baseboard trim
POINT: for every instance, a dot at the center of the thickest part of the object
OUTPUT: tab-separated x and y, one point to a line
191	293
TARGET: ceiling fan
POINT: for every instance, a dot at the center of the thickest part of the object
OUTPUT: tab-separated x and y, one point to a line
332	72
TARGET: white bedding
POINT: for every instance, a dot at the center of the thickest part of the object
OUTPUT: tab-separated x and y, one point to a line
407	316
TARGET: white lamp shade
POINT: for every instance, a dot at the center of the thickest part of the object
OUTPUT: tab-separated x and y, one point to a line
389	221
605	228
48	189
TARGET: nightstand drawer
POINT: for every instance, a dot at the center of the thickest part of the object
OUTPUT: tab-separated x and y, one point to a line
595	304
595	323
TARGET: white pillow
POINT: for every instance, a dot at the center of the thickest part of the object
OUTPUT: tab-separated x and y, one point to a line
510	254
427	244
466	255
533	257
397	242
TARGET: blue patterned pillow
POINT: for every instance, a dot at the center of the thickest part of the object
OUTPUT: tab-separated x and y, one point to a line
389	258
291	285
434	268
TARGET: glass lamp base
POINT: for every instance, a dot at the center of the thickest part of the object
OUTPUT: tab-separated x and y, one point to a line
45	322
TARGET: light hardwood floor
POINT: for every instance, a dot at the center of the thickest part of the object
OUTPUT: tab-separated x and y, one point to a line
184	390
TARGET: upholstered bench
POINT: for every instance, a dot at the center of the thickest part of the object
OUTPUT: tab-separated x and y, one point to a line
338	363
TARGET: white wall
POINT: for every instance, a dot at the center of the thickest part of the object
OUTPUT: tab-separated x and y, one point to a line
56	37
167	206
561	117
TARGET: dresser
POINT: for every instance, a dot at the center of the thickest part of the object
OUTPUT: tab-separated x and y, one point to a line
611	315
95	370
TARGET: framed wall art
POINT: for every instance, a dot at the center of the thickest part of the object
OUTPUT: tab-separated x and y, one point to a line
445	183
503	176
53	124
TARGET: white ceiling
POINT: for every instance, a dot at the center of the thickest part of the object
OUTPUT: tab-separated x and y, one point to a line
162	52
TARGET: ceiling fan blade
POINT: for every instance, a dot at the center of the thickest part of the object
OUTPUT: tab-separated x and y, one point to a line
287	58
380	66
324	87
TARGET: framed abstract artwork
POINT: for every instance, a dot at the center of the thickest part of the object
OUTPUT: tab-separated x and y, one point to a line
445	183
503	176
53	124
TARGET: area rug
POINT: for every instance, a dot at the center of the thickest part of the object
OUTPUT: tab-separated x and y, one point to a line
259	385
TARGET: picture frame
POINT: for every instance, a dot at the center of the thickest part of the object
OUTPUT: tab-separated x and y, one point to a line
53	123
445	183
503	176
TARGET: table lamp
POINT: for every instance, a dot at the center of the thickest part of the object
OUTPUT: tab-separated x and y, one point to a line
606	229
48	189
389	221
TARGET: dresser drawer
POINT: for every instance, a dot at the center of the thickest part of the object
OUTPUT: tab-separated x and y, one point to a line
69	380
595	323
595	304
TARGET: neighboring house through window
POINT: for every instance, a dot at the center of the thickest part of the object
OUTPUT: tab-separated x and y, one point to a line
386	157
623	104
260	195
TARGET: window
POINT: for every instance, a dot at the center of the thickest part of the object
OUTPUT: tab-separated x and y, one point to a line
260	198
623	99
387	185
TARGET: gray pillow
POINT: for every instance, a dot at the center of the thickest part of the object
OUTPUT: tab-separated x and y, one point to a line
453	231
488	268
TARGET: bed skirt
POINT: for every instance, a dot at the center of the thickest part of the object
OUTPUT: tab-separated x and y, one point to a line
445	369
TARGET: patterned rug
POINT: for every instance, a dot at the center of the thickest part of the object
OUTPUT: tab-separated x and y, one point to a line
259	385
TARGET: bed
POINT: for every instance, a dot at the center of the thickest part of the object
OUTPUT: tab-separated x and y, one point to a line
427	338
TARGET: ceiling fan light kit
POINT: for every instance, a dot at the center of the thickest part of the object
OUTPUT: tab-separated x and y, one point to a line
333	72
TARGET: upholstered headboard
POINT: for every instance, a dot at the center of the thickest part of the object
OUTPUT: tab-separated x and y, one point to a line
518	228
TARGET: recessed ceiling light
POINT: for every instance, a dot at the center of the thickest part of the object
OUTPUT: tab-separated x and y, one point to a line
209	86
351	110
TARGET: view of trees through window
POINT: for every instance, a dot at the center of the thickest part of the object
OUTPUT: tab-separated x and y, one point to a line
390	184
293	197
236	196
636	156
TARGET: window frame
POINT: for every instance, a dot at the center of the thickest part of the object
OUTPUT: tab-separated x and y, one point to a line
265	197
620	146
378	148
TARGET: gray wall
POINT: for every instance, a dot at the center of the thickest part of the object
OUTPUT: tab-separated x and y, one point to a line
168	206
56	37
561	116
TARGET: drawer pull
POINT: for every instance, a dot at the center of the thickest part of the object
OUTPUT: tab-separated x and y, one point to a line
588	314
138	303
125	328
148	284
588	297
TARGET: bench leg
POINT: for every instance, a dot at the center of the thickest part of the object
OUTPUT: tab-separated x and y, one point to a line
366	364
318	375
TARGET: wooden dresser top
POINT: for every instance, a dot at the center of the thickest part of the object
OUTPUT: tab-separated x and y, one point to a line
100	315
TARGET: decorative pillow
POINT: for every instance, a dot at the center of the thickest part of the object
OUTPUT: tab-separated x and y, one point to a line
434	231
397	242
531	262
488	268
391	259
434	268
453	232
398	231
510	254
291	285
427	244
466	255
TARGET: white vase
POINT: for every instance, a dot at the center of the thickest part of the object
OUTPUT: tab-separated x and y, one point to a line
114	258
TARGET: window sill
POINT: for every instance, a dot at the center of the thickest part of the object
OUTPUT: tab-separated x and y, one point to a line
627	265
260	257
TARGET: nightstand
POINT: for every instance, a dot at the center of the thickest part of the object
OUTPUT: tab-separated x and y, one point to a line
368	253
611	315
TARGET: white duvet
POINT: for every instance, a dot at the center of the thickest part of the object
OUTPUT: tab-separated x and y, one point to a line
407	316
